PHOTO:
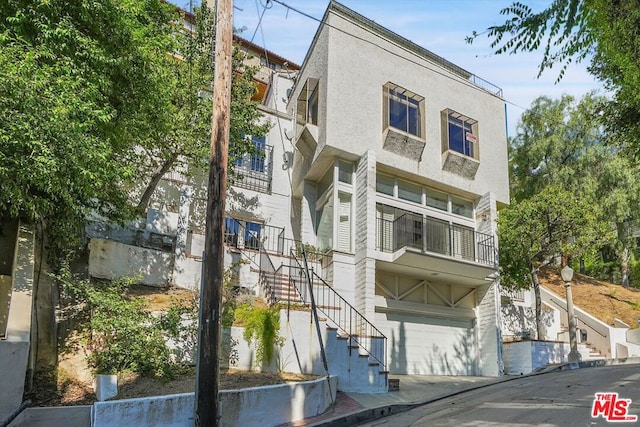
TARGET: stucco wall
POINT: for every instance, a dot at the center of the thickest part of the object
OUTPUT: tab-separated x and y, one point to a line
356	73
259	406
526	356
110	260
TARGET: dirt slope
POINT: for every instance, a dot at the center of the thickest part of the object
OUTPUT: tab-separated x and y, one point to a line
603	300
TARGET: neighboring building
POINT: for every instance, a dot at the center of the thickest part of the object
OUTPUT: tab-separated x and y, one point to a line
392	163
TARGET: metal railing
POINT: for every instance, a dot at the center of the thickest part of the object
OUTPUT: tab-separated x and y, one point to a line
254	172
436	236
340	314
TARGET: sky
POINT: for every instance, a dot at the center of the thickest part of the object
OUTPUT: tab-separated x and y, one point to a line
437	25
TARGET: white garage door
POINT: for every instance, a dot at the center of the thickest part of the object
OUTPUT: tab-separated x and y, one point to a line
422	345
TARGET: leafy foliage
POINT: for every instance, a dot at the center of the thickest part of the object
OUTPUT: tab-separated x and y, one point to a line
572	30
261	326
73	77
121	333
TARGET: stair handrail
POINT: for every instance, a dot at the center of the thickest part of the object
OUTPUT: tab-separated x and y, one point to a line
343	315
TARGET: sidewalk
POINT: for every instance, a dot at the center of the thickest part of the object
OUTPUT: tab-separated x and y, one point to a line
415	390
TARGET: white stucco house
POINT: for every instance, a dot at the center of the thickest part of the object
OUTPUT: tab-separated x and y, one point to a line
391	162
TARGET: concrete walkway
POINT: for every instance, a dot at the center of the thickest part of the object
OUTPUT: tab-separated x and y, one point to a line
415	390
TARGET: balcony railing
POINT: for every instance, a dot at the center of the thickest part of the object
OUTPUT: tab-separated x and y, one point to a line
255	172
431	235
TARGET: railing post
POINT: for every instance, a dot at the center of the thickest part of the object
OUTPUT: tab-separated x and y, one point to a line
424	234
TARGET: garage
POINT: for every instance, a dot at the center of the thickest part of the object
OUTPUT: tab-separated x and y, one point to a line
424	345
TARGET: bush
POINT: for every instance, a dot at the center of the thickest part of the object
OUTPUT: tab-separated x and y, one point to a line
121	334
262	327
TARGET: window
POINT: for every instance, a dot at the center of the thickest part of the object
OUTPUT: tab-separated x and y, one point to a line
256	162
252	235
325	183
344	223
438	200
461	207
254	171
460	134
307	106
403	110
231	227
324	225
410	192
345	172
385	184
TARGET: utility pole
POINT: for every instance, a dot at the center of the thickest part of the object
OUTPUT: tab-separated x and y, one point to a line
208	363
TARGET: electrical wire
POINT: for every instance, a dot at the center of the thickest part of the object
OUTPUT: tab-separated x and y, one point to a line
259	25
466	83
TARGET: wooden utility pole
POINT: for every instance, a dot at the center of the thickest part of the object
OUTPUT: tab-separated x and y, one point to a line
208	363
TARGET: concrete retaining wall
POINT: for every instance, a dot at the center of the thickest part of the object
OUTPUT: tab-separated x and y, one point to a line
523	357
14	350
259	406
111	260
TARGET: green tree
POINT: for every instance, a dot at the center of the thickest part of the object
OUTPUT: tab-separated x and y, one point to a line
533	231
569	31
73	78
180	132
562	142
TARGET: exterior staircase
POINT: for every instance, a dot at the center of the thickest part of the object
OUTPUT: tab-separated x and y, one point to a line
355	349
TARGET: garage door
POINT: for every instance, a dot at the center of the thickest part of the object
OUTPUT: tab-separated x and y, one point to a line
422	345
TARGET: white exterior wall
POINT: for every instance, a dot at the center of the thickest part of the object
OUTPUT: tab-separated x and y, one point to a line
365	263
354	113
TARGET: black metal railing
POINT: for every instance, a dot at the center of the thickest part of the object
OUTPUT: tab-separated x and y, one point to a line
254	172
436	236
340	314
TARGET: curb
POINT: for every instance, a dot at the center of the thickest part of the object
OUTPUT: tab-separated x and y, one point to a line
371	414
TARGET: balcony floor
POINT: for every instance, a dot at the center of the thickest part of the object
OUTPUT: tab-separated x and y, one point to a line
435	266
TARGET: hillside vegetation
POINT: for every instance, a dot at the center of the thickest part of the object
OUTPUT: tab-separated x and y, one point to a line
603	300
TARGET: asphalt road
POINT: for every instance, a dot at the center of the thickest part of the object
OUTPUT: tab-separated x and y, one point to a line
555	399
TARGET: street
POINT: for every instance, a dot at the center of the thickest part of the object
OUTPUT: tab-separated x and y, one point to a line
554	399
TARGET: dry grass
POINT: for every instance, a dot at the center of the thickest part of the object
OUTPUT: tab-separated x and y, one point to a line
603	300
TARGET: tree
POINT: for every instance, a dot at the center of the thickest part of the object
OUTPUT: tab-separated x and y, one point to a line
73	77
572	30
532	232
562	142
181	130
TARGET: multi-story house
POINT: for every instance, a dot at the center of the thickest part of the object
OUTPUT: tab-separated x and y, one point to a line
400	167
390	163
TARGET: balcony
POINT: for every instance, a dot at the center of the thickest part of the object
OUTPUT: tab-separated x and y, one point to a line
416	242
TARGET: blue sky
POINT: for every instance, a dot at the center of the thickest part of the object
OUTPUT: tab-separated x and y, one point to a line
438	25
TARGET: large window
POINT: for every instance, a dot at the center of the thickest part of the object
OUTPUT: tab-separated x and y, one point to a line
403	110
461	134
254	171
411	192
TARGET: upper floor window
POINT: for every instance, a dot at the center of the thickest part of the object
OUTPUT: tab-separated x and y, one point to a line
254	171
460	134
403	110
255	162
307	106
412	192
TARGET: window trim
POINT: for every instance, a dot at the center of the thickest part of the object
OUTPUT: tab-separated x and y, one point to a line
386	110
446	141
306	113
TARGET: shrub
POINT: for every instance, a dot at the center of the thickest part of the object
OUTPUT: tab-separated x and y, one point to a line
262	327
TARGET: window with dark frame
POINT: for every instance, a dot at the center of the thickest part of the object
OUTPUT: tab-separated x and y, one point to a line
460	134
403	110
